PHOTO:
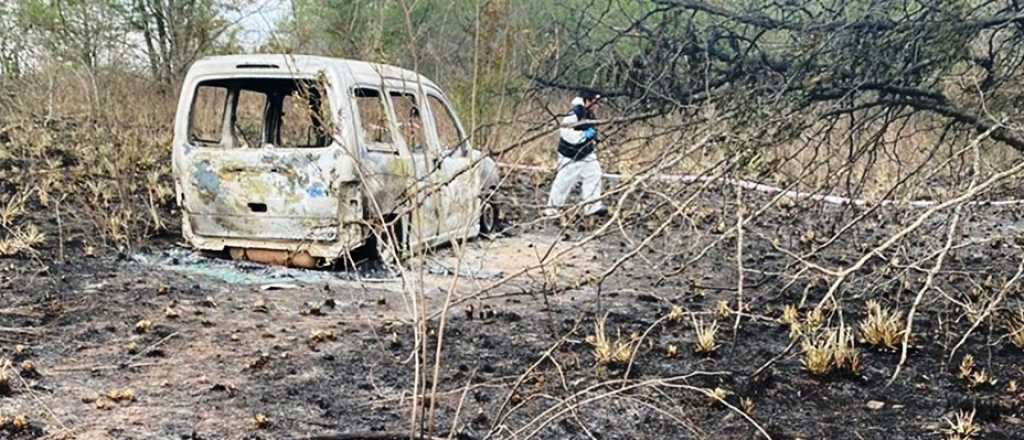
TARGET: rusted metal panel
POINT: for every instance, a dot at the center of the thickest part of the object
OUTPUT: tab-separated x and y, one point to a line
275	257
266	193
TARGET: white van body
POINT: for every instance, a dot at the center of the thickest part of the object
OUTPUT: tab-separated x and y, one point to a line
309	155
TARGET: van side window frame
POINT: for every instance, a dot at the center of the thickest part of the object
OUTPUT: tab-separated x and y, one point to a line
190	131
369	145
463	142
424	115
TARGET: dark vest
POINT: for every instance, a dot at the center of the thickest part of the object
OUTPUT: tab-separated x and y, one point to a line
583	149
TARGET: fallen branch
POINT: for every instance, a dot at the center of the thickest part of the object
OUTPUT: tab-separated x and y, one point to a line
392	435
19	331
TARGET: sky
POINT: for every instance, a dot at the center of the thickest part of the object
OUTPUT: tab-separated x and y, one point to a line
257	20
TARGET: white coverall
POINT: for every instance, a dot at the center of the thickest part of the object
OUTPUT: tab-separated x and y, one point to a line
570	172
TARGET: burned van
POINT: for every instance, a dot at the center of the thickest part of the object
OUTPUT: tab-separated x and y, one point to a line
300	159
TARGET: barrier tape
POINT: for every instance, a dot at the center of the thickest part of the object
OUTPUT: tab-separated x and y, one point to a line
760	187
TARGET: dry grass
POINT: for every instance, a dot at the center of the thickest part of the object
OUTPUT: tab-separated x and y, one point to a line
722	309
817	357
28	368
97	162
966	366
706	336
22	240
318	336
143	326
671	351
14	424
747	405
676	314
718	395
261	421
961	426
121	395
815	318
1016	328
791	317
882	327
608	352
974	378
5	377
830	350
13	208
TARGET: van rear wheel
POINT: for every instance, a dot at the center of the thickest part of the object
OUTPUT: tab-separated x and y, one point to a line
488	217
390	240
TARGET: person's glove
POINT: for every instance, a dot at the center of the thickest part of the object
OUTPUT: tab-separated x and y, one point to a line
590	133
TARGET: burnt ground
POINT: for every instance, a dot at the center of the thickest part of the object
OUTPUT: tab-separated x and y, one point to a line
327	353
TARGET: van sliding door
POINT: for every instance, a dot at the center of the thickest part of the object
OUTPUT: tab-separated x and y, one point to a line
427	217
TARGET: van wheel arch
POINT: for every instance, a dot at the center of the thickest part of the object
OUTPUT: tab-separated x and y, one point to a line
392	231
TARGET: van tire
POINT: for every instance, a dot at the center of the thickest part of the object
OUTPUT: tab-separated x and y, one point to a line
489	217
394	234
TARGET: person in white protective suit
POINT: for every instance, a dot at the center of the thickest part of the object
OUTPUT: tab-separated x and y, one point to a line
577	161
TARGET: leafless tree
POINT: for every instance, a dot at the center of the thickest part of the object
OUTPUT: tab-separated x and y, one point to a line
177	32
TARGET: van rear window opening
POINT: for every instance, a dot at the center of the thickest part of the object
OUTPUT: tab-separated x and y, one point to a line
253	112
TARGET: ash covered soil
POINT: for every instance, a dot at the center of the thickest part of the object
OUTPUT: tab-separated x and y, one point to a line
161	343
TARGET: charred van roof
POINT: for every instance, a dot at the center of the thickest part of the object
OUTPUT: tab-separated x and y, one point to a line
303	64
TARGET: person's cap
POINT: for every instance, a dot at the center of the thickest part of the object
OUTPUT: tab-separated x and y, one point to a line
577	101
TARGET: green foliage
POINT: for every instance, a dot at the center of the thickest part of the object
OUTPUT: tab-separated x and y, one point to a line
475	48
170	34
